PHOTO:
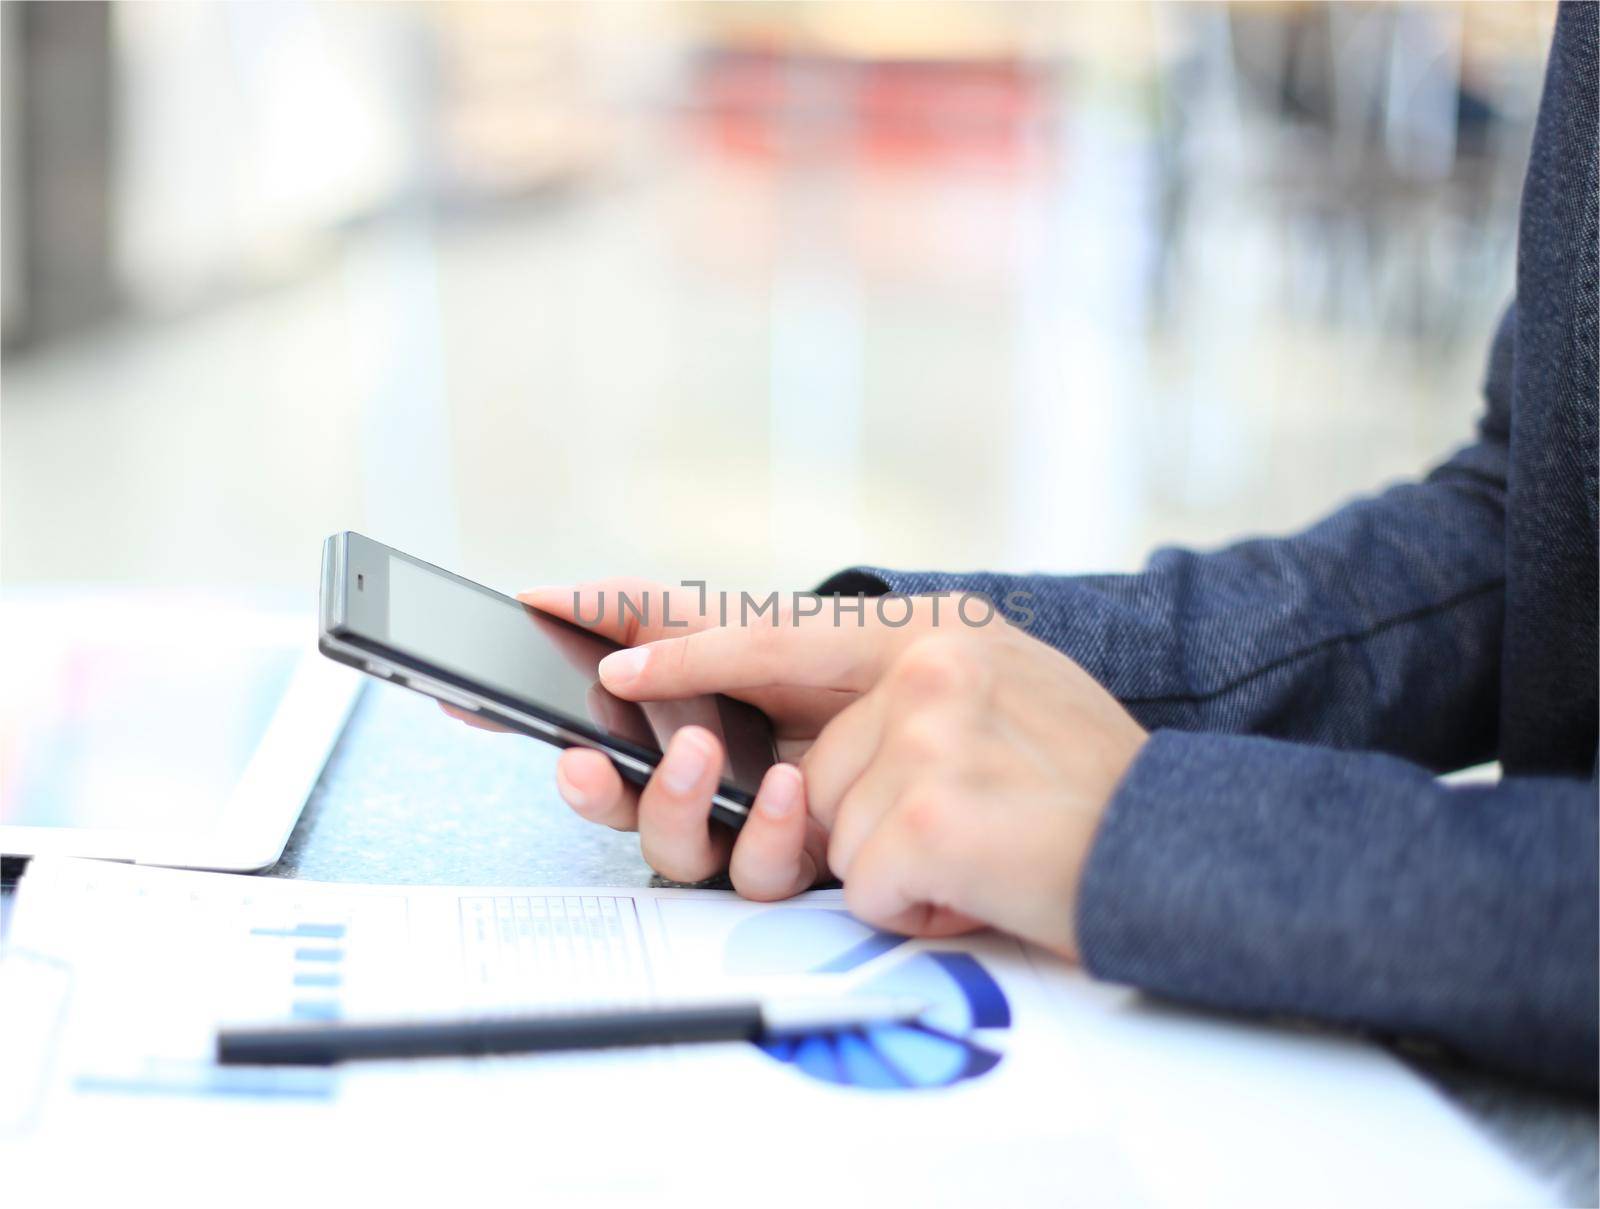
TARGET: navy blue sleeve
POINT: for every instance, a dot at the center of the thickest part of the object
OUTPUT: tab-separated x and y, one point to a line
1326	877
1257	875
1323	877
1377	629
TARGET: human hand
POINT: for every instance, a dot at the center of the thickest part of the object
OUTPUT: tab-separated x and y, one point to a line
780	850
960	771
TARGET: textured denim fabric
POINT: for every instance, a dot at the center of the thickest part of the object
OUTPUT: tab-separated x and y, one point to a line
1280	845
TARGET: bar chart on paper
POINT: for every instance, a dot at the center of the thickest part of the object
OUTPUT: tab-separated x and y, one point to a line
286	961
278	952
941	1049
148	962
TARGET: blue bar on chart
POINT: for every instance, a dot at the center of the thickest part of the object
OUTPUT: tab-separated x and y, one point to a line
308	931
166	1078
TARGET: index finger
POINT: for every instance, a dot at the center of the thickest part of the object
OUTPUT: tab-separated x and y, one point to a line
732	659
629	611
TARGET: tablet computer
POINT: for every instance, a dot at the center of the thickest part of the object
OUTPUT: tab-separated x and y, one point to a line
166	728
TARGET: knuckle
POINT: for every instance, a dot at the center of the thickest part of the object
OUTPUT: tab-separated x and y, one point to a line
676	659
762	638
923	736
768	650
926	815
936	665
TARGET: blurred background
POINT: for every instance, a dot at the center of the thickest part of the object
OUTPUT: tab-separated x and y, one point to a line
741	293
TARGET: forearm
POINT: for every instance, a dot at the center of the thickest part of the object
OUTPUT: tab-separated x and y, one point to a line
1260	876
1378	628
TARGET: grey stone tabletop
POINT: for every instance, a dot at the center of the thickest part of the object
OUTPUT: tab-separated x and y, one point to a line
411	796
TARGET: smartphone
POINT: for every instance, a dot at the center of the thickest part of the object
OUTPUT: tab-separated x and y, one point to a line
406	621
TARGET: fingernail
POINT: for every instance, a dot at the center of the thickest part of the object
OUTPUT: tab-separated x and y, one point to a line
780	792
685	763
620	667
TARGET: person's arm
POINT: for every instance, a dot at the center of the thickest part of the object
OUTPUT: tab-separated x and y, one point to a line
1378	628
1252	874
978	776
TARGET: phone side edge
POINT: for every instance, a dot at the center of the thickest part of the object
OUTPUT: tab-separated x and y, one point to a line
331	603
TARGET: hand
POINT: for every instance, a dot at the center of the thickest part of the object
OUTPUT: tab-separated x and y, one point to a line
780	850
960	771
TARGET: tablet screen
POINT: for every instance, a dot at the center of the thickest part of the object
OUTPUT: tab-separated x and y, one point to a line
138	713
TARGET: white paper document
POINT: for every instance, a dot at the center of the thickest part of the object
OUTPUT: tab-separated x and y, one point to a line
1024	1083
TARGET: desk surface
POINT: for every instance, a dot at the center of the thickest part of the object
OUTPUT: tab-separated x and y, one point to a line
411	797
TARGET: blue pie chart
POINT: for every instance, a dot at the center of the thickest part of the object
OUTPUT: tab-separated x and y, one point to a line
937	1051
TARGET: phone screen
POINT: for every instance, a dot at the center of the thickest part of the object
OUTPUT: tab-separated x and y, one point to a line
489	639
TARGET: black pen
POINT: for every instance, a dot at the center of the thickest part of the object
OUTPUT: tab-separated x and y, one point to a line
323	1044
